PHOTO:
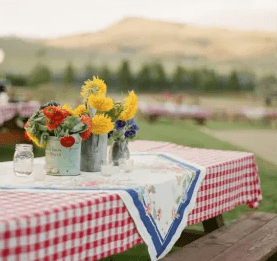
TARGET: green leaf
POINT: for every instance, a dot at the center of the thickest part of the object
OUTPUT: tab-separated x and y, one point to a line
154	213
178	200
79	128
185	184
41	127
140	197
69	122
41	118
153	190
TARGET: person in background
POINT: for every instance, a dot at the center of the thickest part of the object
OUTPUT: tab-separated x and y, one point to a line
4	98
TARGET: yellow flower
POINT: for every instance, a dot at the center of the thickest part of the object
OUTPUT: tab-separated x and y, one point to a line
68	108
95	86
80	110
130	107
100	102
101	124
35	140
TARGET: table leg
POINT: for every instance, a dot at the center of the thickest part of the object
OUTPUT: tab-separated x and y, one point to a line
209	225
188	236
213	223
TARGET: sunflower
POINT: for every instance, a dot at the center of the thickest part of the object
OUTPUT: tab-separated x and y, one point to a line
34	139
130	107
101	124
68	108
95	86
100	102
80	110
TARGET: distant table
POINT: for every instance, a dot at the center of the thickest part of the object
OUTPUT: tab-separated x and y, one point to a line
155	110
21	109
94	225
249	113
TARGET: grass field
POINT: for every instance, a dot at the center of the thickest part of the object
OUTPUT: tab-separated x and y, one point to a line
223	125
187	134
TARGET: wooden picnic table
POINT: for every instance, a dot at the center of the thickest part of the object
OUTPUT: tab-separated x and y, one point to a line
93	225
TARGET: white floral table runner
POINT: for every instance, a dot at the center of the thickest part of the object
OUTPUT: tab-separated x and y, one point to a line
159	194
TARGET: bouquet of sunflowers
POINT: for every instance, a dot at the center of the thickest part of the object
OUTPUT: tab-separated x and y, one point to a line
109	116
99	115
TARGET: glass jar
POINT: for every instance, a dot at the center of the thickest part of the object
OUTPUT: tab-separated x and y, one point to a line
23	160
119	151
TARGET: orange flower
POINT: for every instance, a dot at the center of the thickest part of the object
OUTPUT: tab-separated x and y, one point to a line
59	115
51	125
49	111
86	120
26	135
65	112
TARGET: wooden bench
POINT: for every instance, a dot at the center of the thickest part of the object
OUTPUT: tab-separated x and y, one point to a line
252	237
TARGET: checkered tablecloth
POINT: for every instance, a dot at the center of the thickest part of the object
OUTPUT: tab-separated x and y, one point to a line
7	112
22	109
26	109
94	224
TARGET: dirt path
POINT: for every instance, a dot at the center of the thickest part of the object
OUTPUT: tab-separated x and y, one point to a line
261	142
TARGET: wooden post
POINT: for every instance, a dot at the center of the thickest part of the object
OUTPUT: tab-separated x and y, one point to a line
213	223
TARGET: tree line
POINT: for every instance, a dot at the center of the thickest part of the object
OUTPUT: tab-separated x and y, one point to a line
150	78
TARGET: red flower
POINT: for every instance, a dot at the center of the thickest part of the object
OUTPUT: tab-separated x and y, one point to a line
67	141
26	125
86	120
51	125
49	111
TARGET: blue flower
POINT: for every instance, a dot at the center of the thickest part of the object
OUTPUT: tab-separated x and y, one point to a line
119	125
130	133
133	125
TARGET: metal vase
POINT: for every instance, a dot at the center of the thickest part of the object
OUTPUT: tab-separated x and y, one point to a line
119	150
94	153
60	160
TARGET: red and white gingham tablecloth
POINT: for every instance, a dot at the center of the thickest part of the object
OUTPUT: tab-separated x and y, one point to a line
92	225
22	109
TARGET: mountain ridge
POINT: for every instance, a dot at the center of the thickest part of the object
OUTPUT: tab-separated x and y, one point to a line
162	39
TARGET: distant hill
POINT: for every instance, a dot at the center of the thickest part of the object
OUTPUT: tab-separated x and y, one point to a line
142	40
165	39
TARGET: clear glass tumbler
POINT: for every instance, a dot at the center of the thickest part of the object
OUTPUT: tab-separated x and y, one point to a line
23	160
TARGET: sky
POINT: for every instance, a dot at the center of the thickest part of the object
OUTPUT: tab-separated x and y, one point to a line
54	18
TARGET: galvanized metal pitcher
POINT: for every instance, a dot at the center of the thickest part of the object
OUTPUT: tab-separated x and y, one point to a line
94	153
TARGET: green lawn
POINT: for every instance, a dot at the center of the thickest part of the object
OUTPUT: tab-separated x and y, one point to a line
223	125
186	133
7	151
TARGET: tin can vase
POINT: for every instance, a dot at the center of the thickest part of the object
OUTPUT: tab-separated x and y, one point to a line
119	150
60	160
94	153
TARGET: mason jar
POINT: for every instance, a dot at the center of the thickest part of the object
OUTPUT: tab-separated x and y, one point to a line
23	160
